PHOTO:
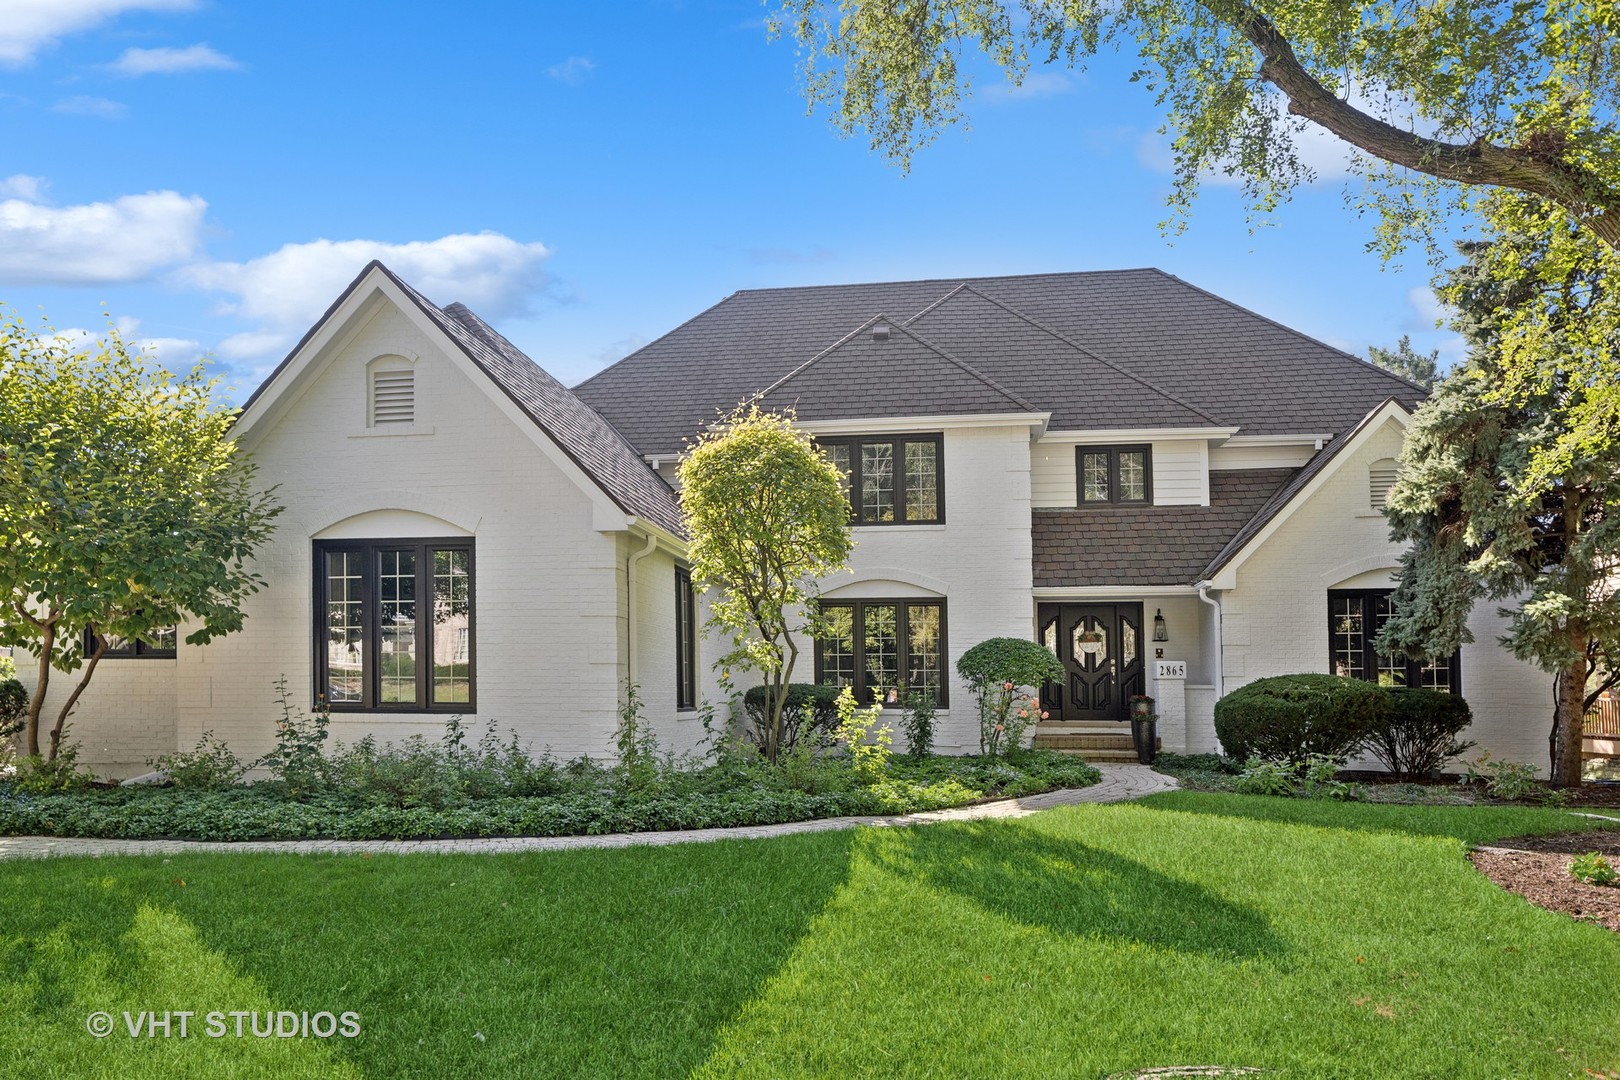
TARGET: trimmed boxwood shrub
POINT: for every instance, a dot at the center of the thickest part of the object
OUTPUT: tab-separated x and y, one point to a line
1420	731
811	712
1290	717
13	703
1009	660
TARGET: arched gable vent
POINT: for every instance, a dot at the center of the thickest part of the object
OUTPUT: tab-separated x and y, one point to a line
1381	476
392	391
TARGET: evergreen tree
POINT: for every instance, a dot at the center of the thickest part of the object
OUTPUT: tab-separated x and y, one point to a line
1407	362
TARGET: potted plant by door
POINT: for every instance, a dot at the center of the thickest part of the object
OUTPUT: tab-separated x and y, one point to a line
1144	728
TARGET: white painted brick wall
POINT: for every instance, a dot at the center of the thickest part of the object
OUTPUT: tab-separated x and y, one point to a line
126	716
1276	618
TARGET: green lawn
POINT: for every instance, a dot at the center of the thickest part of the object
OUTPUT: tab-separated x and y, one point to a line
1311	939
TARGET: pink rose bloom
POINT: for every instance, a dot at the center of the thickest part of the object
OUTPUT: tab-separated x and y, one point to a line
1006	686
1046	716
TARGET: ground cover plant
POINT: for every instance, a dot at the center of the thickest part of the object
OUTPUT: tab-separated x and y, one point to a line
1188	928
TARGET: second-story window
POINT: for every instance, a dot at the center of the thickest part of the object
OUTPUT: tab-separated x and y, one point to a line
891	479
1114	474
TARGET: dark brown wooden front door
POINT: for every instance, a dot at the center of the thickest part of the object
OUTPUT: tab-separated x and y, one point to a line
1100	647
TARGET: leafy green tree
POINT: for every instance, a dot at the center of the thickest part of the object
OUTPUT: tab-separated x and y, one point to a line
1407	362
1492	507
1436	97
124	508
768	516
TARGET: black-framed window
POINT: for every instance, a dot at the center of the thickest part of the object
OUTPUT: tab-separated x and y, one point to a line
884	649
163	644
1355	616
891	479
1114	474
394	625
685	640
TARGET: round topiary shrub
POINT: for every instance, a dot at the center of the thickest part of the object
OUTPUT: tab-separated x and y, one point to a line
1009	660
1291	717
1420	732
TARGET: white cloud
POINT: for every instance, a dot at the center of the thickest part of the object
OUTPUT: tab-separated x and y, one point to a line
22	186
27	26
573	71
176	354
1428	307
168	61
288	289
1039	84
126	239
84	105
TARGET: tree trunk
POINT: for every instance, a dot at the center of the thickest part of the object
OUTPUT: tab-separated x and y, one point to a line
1569	720
73	698
42	685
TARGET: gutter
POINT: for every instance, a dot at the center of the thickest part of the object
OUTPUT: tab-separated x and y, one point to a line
630	620
1220	643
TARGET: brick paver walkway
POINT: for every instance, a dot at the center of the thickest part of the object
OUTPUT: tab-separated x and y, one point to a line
1119	782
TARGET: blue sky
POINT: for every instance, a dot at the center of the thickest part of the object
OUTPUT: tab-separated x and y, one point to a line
585	176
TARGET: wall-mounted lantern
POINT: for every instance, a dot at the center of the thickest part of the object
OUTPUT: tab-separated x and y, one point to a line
1160	631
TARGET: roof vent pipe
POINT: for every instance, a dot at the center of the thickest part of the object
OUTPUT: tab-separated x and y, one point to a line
880	332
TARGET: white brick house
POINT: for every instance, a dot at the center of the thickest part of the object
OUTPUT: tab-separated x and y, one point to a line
1085	459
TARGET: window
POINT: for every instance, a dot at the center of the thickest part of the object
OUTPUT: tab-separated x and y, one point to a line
884	649
1354	618
899	480
161	646
1114	474
394	625
685	641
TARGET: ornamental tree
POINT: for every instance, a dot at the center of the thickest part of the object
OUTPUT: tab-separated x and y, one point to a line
124	509
1510	484
767	516
1436	98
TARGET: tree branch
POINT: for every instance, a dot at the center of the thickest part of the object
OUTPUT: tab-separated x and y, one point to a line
1535	168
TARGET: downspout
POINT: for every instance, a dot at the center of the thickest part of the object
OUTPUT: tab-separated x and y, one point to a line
630	621
1220	644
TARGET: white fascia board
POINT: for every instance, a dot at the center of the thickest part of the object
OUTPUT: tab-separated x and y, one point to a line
883	425
1118	435
1226	576
1122	592
667	540
1277	440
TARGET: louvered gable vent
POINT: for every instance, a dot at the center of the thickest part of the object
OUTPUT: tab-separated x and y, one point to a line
393	397
1381	476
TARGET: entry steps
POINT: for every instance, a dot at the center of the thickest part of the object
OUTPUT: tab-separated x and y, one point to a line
1105	742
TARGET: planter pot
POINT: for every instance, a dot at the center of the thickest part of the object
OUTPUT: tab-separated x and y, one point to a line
1145	737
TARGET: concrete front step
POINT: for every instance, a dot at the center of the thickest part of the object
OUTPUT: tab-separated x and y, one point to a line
1090	745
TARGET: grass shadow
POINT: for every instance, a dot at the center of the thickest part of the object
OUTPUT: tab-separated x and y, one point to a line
1068	887
573	964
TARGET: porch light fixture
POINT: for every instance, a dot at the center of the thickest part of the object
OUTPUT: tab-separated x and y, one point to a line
1160	631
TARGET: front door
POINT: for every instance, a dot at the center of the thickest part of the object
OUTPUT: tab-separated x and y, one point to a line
1100	647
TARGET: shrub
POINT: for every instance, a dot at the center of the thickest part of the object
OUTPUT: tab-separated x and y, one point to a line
1593	869
1320	780
1291	717
866	744
37	776
13	703
811	712
1510	780
637	745
1265	777
296	760
206	767
997	670
1420	730
917	721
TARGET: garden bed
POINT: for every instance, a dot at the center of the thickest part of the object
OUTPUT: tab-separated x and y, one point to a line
1537	868
594	801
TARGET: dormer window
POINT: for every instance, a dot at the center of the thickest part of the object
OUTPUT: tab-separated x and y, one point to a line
392	392
1114	474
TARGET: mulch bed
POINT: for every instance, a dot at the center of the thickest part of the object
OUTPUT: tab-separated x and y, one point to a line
1537	868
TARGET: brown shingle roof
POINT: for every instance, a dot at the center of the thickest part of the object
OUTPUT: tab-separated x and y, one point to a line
1148	545
1223	364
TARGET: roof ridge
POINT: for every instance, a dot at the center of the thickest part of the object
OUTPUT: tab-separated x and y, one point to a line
960	285
1091	353
1233	304
919	339
948	280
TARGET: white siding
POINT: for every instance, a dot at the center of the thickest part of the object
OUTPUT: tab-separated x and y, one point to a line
1180	475
1260	457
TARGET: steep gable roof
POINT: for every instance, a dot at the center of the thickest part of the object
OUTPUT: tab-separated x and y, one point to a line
879	364
605	457
1217	359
